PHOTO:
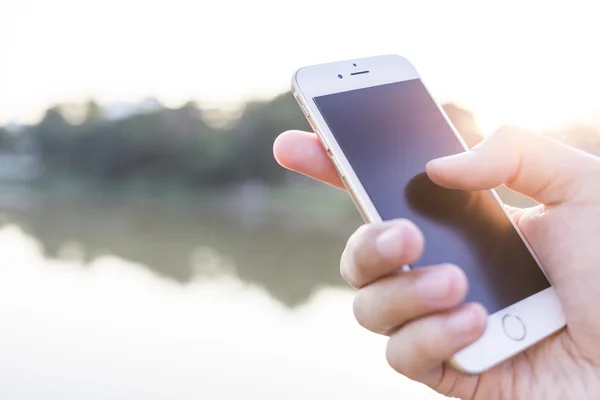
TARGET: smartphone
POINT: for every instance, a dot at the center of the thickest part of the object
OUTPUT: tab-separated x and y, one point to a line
380	125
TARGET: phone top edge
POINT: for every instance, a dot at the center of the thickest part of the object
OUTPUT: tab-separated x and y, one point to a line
342	62
336	77
352	60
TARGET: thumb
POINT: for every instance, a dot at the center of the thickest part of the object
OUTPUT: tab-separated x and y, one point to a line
531	164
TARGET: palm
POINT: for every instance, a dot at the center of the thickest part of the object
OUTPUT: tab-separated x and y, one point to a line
536	373
519	378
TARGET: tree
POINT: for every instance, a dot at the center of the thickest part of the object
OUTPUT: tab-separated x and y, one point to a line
93	112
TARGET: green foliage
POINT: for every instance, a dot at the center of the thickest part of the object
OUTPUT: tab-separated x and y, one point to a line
166	145
93	112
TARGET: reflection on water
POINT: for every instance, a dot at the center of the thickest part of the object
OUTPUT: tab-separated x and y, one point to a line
116	298
113	329
282	251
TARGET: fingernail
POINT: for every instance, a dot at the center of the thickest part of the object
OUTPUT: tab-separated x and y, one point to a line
389	243
436	285
464	321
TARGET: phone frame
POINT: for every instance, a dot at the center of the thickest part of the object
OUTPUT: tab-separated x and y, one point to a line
541	313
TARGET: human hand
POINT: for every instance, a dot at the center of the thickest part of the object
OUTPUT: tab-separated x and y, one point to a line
421	310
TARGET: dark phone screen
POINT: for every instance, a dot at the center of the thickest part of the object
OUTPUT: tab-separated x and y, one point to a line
388	133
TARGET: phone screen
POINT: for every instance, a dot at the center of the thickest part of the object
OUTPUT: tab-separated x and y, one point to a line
388	133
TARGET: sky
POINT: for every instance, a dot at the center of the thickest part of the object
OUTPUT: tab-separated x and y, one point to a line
524	62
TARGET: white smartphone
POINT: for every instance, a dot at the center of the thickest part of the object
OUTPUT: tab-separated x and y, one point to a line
380	126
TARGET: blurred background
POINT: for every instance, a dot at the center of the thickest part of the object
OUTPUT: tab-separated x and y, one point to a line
150	246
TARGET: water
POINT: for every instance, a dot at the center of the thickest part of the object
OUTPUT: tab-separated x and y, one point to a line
121	298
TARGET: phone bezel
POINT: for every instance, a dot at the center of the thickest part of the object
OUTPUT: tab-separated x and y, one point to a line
541	313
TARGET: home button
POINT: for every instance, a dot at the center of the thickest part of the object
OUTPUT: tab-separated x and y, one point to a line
514	327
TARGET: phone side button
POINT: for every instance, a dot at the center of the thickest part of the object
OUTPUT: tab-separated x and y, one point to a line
335	164
311	123
323	142
514	327
304	109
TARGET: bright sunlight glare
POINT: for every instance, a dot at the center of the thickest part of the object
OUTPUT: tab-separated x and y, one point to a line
531	63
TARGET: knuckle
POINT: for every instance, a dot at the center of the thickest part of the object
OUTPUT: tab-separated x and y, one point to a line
360	309
427	350
346	276
361	231
411	350
384	305
397	359
360	236
352	265
347	269
429	345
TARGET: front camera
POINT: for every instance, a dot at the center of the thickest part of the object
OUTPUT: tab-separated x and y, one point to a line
340	76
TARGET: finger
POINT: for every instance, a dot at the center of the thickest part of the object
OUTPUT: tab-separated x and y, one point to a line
515	212
538	167
419	348
392	301
302	152
376	250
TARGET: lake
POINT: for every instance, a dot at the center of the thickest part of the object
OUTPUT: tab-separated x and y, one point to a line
163	297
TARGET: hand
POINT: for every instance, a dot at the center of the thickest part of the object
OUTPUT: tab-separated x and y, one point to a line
421	310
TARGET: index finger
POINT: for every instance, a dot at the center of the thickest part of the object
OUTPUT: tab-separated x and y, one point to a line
302	152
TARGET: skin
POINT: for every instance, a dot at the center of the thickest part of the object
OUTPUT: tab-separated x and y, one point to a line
422	311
